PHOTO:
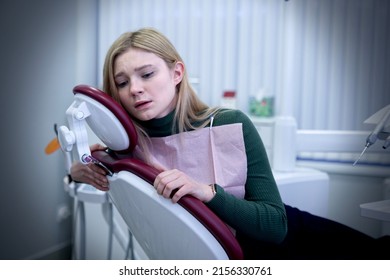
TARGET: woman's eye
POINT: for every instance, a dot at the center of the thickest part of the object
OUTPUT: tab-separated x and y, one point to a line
147	75
121	84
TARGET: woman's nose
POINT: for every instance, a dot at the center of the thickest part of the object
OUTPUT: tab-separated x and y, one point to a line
136	87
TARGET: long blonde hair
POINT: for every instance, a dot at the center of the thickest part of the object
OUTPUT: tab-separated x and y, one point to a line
190	109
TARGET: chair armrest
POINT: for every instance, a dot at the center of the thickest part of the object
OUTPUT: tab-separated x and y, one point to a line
194	206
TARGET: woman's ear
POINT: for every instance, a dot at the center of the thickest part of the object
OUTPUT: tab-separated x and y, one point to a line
178	72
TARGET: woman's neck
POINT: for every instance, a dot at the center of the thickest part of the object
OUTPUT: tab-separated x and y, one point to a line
159	127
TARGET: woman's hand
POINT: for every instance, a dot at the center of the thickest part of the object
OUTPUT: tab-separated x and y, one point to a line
175	184
90	173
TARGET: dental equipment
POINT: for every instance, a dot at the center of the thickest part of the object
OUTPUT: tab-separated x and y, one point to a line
379	210
153	220
77	117
381	130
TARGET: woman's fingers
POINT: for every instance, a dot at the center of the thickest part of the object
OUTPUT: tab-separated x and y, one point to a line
97	147
166	182
97	177
90	174
175	184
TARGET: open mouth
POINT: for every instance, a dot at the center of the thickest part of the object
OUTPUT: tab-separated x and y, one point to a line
141	104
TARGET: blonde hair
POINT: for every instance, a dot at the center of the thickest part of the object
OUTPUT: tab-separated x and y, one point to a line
190	109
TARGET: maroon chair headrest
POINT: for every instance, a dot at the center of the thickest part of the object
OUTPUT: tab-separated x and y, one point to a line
119	112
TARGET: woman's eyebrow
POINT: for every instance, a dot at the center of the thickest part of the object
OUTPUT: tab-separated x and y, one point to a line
138	69
142	67
119	74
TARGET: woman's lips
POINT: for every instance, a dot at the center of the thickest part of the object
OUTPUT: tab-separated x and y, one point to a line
141	104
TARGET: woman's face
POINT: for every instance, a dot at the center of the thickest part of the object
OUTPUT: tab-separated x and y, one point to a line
146	86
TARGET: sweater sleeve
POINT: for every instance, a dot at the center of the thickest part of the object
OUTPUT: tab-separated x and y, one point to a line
261	214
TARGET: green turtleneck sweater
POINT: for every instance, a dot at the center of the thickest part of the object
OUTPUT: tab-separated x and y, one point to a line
260	216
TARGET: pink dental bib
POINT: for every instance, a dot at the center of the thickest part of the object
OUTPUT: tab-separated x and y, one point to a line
209	155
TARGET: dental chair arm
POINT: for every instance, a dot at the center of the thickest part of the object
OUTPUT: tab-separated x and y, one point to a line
197	208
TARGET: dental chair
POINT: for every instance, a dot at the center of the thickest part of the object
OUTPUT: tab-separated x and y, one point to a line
164	230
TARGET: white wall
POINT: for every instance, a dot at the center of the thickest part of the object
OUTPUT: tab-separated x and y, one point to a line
38	72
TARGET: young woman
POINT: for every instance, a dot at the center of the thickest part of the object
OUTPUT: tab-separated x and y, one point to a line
213	154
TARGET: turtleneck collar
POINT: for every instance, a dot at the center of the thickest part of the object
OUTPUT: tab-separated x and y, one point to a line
159	127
